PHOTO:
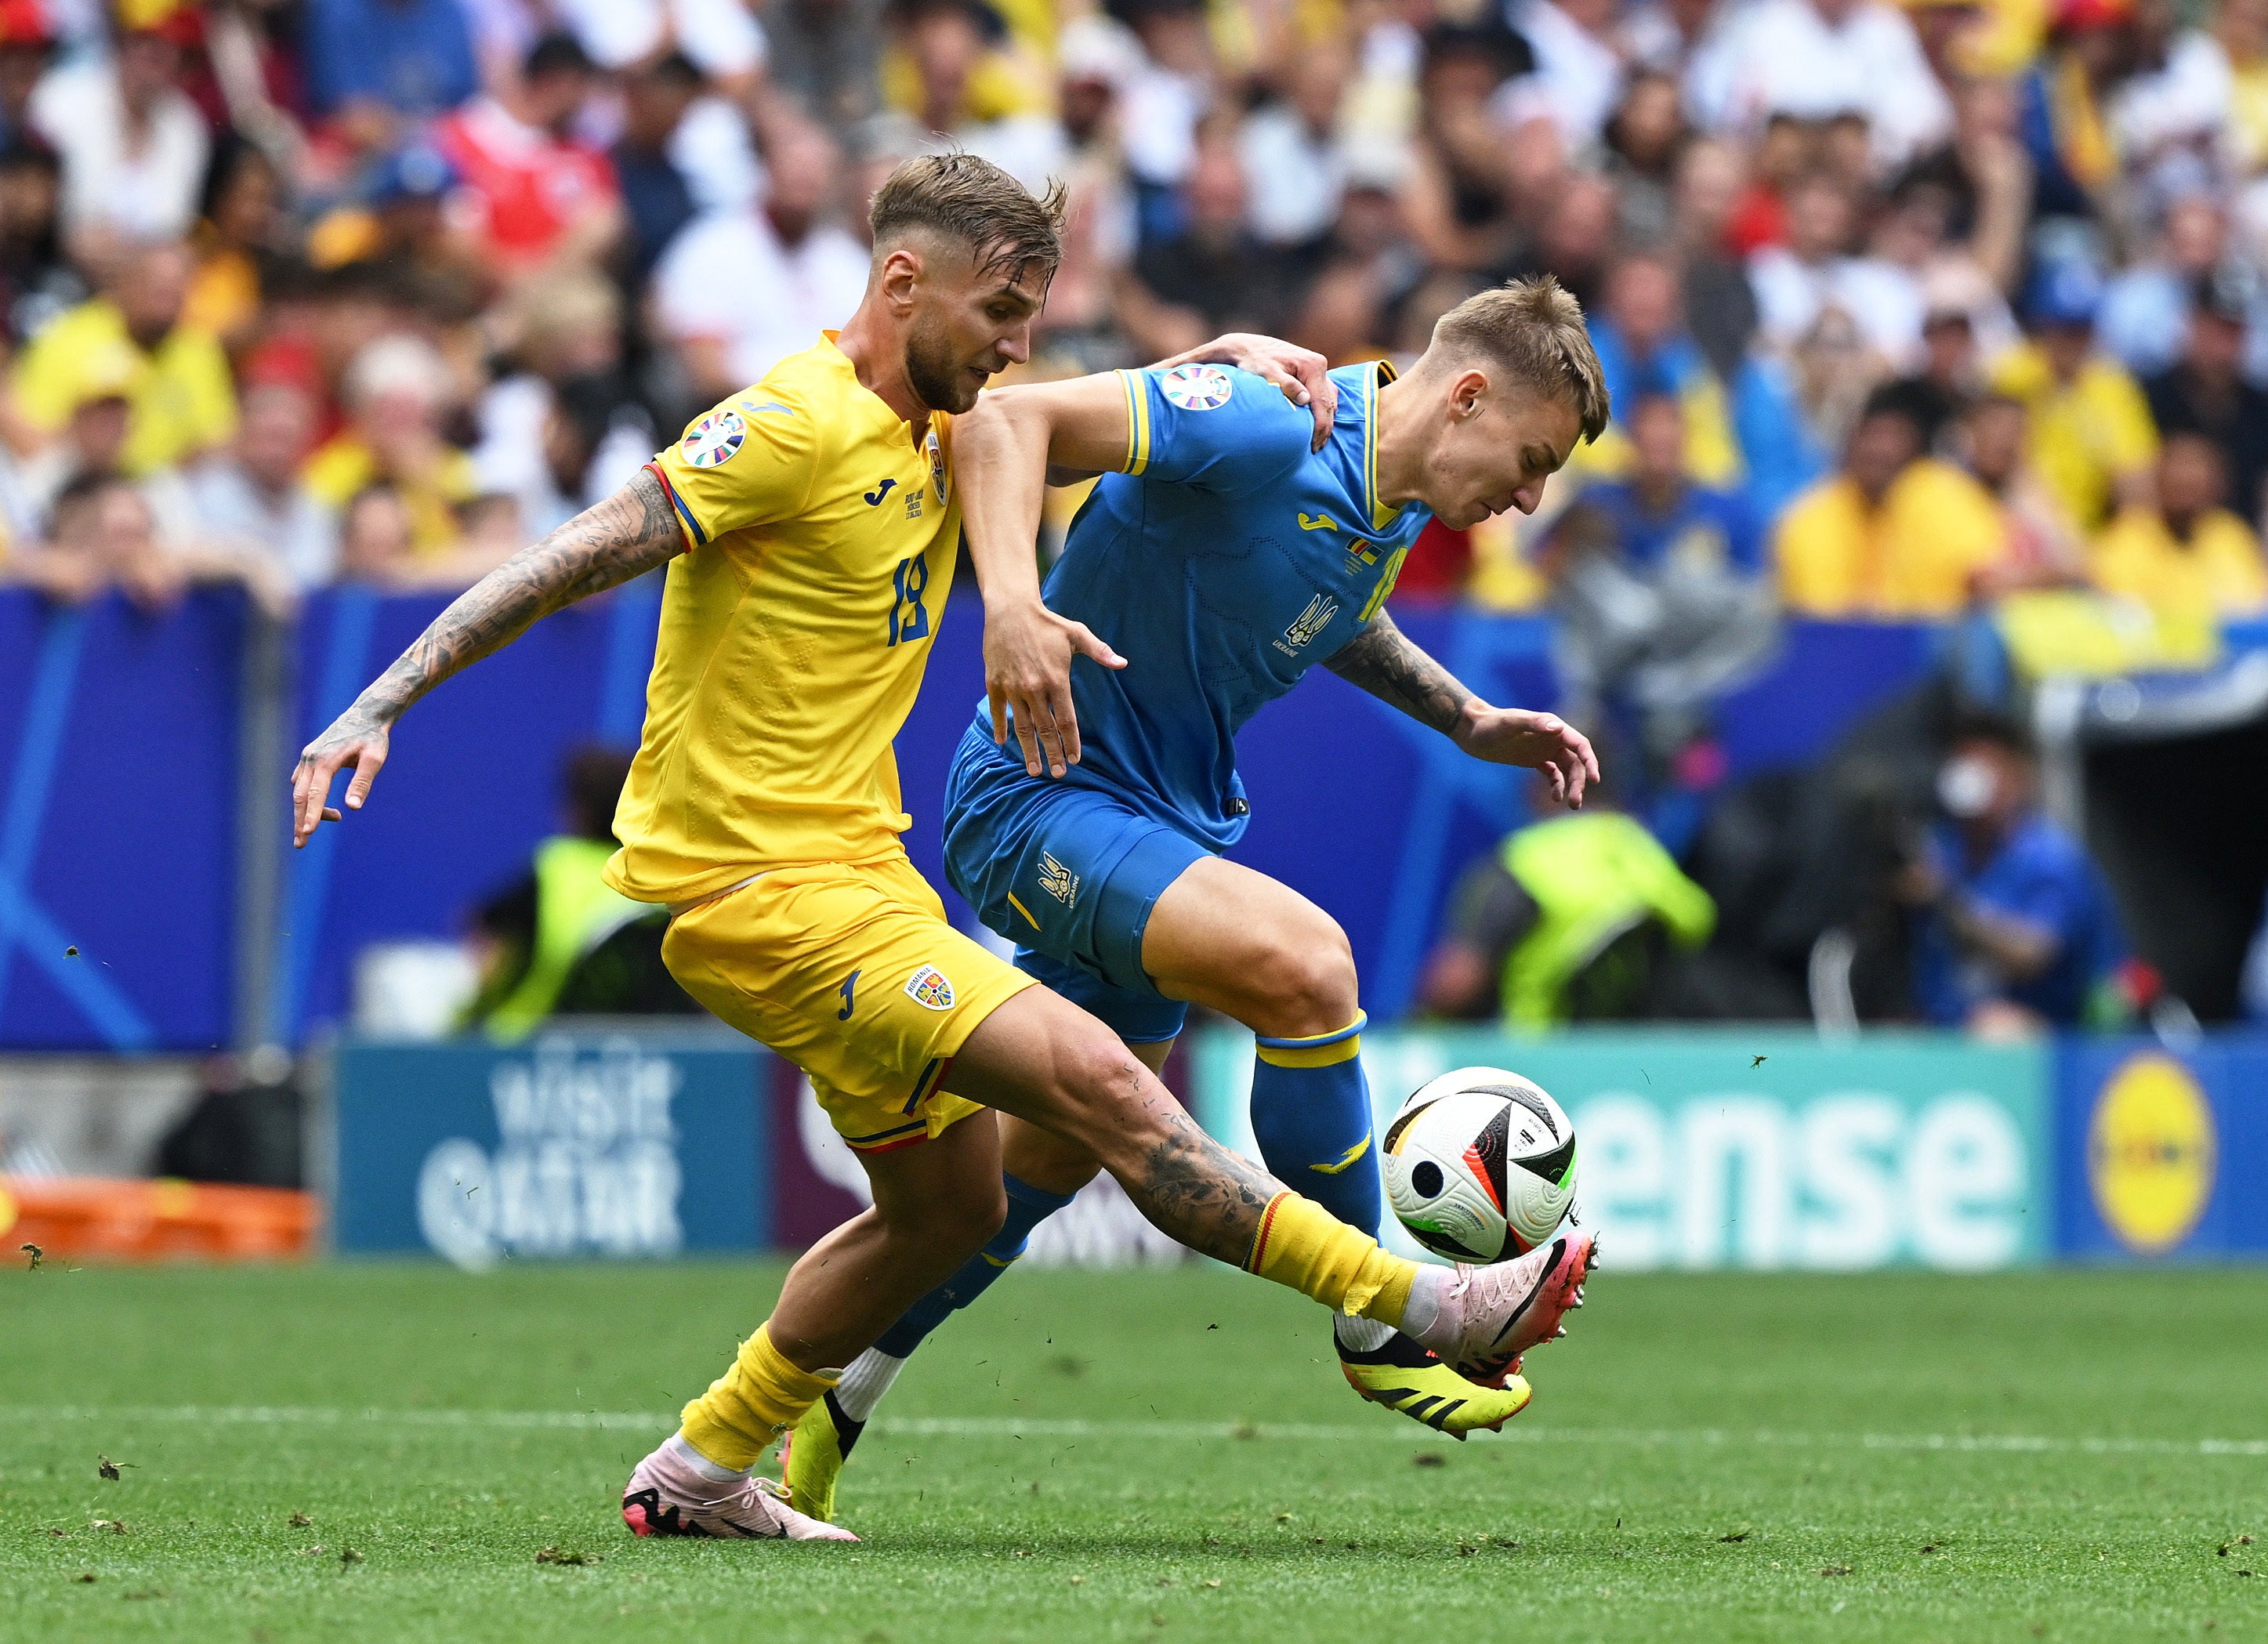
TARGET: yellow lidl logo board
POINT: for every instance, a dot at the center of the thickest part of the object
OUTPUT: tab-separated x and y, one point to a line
2151	1154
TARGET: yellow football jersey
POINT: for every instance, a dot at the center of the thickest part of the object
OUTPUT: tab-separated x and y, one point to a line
822	541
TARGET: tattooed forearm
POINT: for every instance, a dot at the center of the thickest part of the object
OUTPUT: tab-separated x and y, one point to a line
1383	660
629	533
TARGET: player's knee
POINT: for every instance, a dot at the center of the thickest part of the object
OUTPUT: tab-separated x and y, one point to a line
1100	1087
1307	982
965	1219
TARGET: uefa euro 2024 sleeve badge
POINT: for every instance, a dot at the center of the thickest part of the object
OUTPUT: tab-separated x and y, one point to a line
1195	387
711	442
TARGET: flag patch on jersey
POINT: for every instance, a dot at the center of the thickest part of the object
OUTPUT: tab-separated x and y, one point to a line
1195	387
929	986
713	440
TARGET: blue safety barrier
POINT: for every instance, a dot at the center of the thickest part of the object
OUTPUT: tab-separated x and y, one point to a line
471	779
118	750
118	813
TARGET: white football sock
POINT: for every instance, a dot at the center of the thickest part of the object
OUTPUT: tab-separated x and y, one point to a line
1424	1317
864	1382
1363	1334
715	1473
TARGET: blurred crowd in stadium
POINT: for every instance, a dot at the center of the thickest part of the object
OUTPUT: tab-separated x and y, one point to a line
1902	306
1908	311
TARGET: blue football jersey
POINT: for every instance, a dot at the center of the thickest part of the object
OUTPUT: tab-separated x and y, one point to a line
1223	564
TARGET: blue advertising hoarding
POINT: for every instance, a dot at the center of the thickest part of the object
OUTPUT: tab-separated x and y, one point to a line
2162	1152
575	1144
1748	1149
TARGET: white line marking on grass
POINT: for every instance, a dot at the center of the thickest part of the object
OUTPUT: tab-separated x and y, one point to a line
1036	1427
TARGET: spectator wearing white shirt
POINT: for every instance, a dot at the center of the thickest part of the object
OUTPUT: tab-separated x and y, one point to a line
133	145
741	290
251	498
1816	59
1578	73
1795	283
1291	152
723	40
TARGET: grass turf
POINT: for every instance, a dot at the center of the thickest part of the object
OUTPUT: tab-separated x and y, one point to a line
1156	1455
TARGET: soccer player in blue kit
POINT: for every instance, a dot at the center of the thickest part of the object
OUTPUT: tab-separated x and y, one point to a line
1218	559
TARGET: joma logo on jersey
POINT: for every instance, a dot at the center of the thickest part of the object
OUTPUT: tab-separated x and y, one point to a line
929	986
1317	522
1310	623
1057	880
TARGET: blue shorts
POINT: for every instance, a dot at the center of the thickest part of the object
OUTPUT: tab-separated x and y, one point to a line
1069	873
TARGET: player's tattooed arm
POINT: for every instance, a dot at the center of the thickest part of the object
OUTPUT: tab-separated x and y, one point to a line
1382	659
626	535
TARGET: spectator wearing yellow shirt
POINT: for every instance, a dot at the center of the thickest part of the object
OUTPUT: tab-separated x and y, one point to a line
2188	558
184	404
396	391
2092	439
1895	534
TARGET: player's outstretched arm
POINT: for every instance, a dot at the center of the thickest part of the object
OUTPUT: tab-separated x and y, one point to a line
629	533
1383	660
1002	450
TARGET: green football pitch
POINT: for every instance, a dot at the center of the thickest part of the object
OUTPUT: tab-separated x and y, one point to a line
384	1451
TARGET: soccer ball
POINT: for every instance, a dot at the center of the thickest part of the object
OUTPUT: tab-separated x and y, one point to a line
1480	1165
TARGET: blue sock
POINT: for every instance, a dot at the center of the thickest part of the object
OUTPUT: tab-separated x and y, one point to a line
1027	1208
1311	1116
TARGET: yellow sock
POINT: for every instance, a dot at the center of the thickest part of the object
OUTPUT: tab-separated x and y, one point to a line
1303	1245
752	1404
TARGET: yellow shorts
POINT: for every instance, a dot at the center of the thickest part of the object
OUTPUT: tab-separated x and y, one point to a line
850	971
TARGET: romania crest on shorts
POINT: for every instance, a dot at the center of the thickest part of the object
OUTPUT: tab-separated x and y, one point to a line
713	440
1195	387
929	986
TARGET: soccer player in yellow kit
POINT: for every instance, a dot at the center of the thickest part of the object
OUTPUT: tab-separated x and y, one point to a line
810	532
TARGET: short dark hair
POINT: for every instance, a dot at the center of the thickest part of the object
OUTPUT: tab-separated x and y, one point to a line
557	53
1904	398
25	152
674	69
1976	724
81	489
960	198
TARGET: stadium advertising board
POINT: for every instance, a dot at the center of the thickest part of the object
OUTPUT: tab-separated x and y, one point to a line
1746	1149
2162	1152
589	1144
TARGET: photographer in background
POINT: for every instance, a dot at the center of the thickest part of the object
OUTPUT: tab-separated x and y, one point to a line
2016	931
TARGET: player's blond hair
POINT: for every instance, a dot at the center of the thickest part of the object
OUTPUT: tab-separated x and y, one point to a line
1534	328
963	198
